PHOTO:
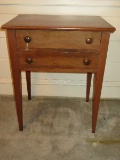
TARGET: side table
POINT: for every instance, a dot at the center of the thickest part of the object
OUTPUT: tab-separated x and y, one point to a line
59	44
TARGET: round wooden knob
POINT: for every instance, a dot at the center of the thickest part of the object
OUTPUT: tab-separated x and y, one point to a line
29	60
89	40
86	61
27	39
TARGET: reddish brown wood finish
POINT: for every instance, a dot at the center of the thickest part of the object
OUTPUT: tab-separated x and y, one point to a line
16	74
58	39
69	61
59	22
89	76
98	78
28	80
63	44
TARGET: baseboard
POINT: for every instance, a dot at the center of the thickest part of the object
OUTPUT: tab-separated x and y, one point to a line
55	87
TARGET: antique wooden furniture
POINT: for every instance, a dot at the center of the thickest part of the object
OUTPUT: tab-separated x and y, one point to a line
63	44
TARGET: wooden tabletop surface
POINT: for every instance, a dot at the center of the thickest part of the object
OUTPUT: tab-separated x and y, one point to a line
59	22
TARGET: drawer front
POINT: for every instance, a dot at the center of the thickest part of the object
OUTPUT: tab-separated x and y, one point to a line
58	39
57	60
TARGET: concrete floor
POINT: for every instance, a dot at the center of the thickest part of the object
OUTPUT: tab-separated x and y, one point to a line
57	128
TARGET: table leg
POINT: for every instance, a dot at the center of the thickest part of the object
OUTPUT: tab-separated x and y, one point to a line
89	76
28	80
18	97
16	75
97	86
98	78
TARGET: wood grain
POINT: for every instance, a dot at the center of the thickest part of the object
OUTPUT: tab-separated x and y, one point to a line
58	39
58	60
16	74
58	46
58	22
98	78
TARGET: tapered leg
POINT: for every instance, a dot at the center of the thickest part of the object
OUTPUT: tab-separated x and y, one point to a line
28	80
18	97
97	86
98	78
89	76
16	75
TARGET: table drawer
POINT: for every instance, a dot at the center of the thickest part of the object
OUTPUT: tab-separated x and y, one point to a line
58	60
58	39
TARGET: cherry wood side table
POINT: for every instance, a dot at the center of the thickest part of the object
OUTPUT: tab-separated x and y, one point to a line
59	44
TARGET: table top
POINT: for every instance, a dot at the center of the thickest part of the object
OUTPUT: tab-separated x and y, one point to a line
58	22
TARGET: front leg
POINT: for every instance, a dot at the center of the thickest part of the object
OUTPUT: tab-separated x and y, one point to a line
98	78
16	75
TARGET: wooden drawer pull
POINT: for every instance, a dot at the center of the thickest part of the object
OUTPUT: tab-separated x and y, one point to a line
89	40
27	39
86	61
29	60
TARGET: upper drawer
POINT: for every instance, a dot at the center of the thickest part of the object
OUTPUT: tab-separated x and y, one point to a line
58	39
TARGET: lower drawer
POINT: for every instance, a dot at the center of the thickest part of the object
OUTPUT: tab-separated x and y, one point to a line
58	60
